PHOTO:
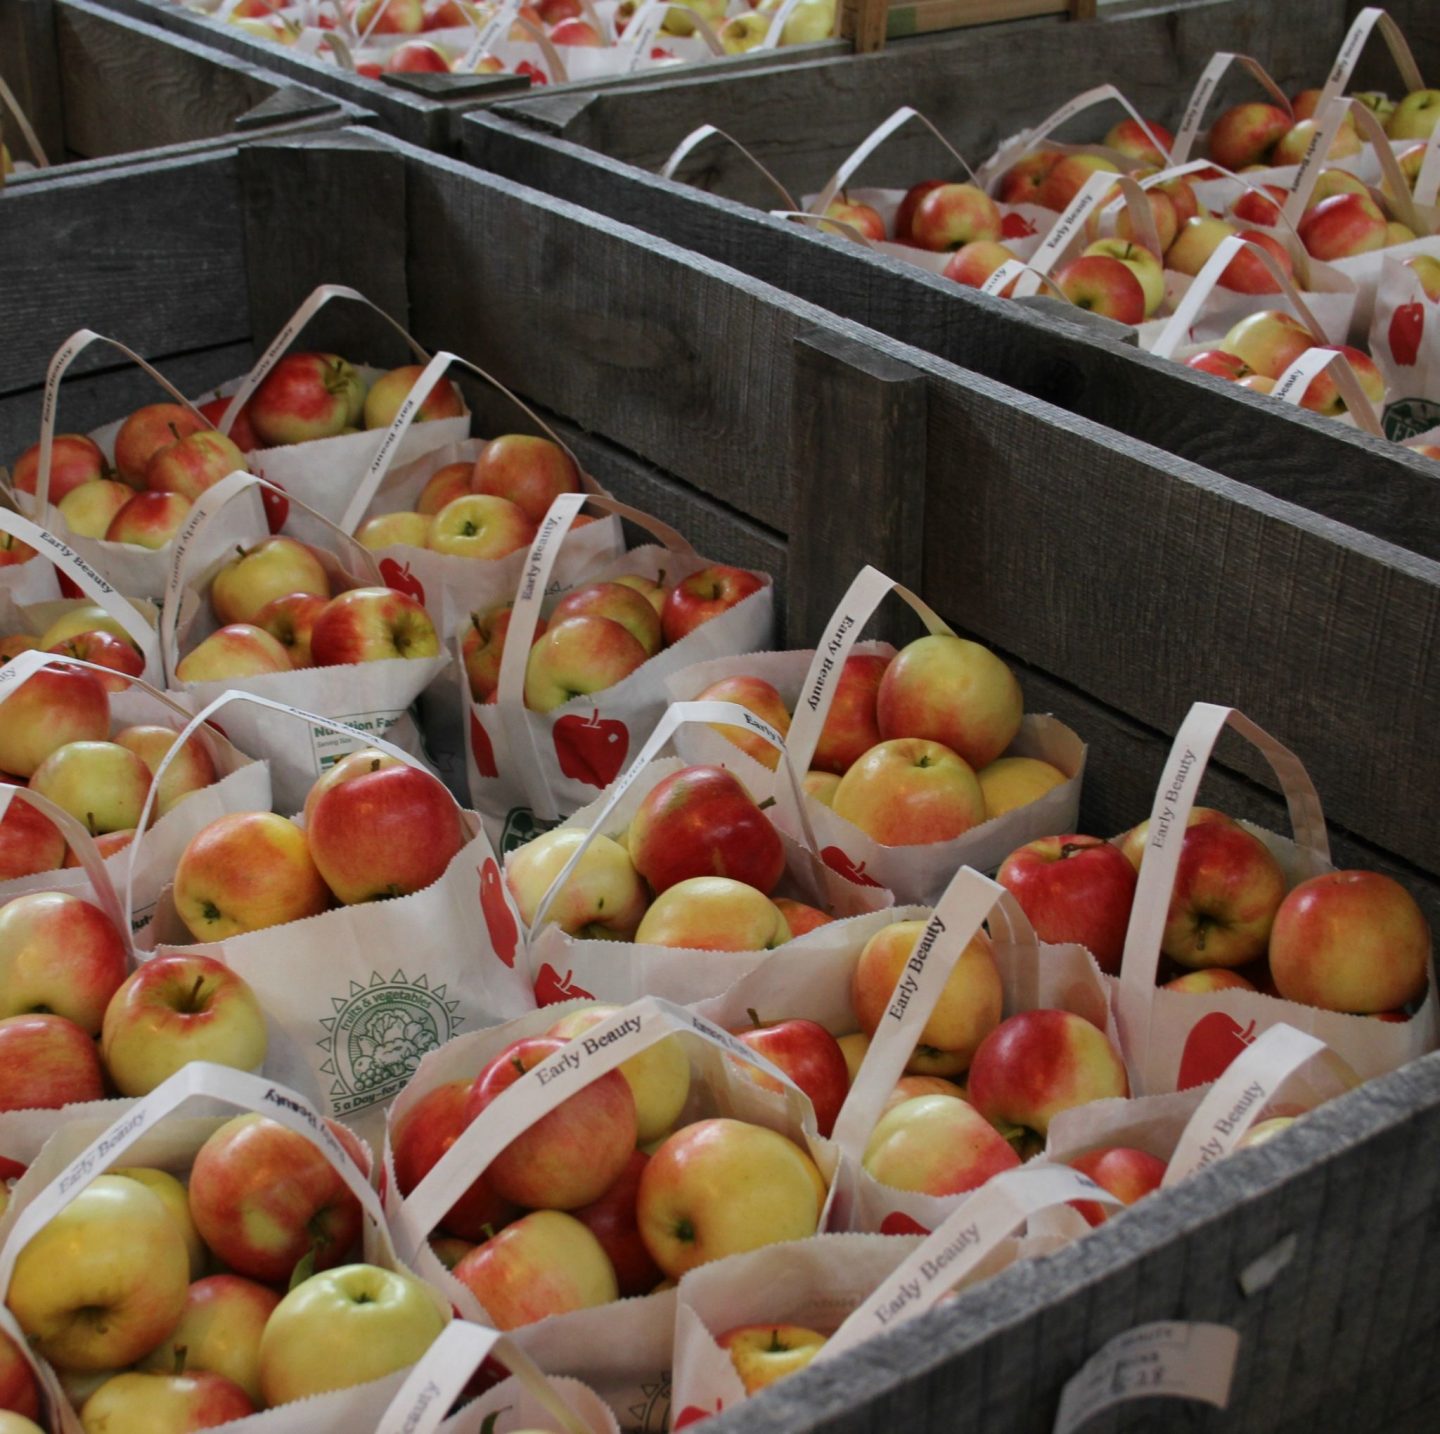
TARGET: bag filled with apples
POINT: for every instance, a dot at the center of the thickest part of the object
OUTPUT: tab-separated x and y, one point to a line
527	1400
1405	340
512	1156
92	742
128	1217
914	764
358	924
745	1322
676	882
306	421
302	617
558	708
1267	931
120	494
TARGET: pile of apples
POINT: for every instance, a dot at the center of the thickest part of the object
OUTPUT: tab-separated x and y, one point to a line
86	632
373	828
574	1213
599	634
55	737
74	1027
911	750
275	604
162	1303
1349	941
485	509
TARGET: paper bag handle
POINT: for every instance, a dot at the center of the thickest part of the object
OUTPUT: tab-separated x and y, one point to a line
437	1381
1353	45
1427	182
697	137
1200	96
960	1244
871	143
22	121
1248	1084
1293	384
1169	814
958	916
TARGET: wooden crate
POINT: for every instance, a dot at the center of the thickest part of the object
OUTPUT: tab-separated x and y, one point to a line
1122	581
103	89
424	109
980	86
871	22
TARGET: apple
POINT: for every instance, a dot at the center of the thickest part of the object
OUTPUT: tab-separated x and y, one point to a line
416	56
1295	143
1257	383
101	784
304	397
1140	261
1211	978
1223	365
59	955
104	649
721	1187
1350	941
13	552
952	215
483	647
352	764
952	691
263	1197
1323	394
478	525
47	1062
390	17
246	871
1330	182
172	1195
19	1394
176	1009
1038	1063
1022	183
1427	270
799	917
1148	143
88	508
859	216
658	1077
581	32
107	845
29	843
242	432
191	769
15	644
444	485
384	833
1397	233
1009	783
1197	240
1125	1172
1227	890
762	1354
756	695
1414	117
238	650
612	1220
1268	341
1341	227
1246	273
193	463
909	1087
968	1009
530	472
545	1263
809	1055
705	595
620	604
146	432
74	461
972	264
390	391
1260	206
55	705
82	617
1162	211
572	1154
1074	888
936	1145
422	1135
576	657
346	1327
132	1402
270	569
290	620
602	899
910	792
1245	134
369	625
713	913
1068	176
651	589
389	530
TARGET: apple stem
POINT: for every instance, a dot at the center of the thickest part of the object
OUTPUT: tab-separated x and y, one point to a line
182	1353
92	824
488	1230
1069	848
754	1018
193	1000
174	430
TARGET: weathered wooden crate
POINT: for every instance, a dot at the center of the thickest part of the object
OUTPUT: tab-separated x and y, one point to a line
871	22
1121	580
424	109
101	88
979	86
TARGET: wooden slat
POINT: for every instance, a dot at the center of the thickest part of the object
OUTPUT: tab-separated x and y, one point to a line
28	65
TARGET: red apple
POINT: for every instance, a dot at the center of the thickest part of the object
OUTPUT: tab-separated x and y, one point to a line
800	917
59	955
620	604
146	432
445	484
613	1220
290	620
972	264
810	1056
936	1145
1342	226
1260	206
47	1062
416	56
705	595
1245	134
483	647
304	397
1221	364
910	792
29	843
149	520
193	463
713	913
1268	341
1068	176
1149	143
74	459
852	725
242	433
238	650
1023	182
369	625
19	1393
1103	285
859	216
390	391
577	657
1227	890
952	215
1246	272
1323	393
54	706
531	472
269	569
1125	1172
755	695
104	649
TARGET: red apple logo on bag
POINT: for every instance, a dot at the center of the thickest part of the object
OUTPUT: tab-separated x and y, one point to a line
591	749
551	988
840	861
1214	1041
693	1415
276	505
1016	226
1407	324
499	921
481	749
399	577
898	1223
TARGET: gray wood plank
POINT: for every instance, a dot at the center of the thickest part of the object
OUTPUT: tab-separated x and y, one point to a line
28	64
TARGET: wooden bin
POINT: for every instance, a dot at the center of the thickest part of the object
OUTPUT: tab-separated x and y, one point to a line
102	89
1122	581
424	109
871	22
981	86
